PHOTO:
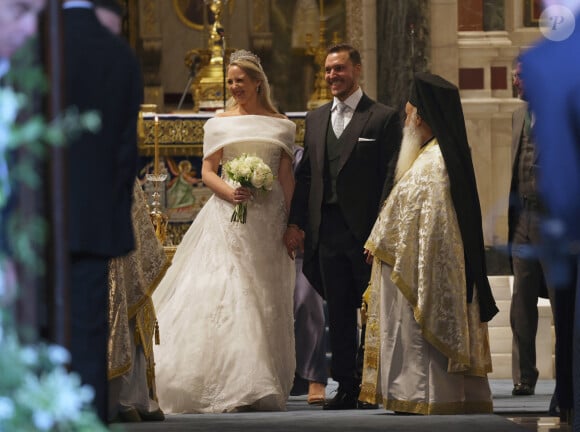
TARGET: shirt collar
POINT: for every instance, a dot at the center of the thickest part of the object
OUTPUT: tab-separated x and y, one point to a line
77	4
351	101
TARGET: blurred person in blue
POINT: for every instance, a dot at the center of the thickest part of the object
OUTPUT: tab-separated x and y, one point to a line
551	70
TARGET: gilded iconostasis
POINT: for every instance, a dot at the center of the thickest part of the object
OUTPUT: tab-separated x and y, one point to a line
284	33
175	40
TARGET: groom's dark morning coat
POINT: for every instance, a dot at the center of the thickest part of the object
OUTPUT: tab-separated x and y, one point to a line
371	145
368	151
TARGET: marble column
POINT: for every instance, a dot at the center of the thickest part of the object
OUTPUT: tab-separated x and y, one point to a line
361	31
403	32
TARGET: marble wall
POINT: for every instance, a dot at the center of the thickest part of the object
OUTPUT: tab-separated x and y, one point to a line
480	63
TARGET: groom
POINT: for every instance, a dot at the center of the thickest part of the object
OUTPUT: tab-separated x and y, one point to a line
350	146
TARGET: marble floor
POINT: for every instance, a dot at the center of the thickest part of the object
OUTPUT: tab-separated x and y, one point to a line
541	424
529	412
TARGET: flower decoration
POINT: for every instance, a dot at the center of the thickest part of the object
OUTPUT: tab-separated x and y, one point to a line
248	171
37	393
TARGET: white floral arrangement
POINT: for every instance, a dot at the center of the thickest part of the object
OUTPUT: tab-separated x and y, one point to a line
37	392
249	171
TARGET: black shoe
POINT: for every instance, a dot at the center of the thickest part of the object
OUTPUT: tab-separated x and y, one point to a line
343	400
300	386
523	389
130	415
367	406
156	415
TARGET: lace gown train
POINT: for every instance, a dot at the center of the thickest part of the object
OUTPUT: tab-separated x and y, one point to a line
225	305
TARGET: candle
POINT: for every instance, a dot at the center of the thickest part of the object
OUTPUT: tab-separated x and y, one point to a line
156	142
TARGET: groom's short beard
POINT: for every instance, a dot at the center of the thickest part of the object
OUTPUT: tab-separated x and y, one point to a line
410	147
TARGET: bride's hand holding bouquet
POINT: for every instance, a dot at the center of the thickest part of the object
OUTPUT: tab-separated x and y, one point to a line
252	173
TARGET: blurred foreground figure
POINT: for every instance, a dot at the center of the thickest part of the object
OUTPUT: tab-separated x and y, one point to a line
102	74
551	70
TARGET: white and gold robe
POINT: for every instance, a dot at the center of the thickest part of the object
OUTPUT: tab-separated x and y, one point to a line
426	350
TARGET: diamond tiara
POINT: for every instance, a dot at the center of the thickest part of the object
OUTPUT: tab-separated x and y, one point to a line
245	55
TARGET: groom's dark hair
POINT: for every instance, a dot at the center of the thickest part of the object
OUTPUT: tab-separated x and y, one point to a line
353	53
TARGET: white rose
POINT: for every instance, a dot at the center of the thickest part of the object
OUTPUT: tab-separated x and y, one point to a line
268	181
258	178
253	161
231	167
244	171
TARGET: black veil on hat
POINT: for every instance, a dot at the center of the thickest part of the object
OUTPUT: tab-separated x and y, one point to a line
438	103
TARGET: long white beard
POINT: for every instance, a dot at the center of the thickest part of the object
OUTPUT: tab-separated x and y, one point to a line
410	147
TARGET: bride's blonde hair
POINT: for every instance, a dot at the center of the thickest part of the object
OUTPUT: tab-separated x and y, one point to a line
250	64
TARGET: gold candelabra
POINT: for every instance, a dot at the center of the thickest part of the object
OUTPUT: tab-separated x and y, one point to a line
157	178
208	89
321	93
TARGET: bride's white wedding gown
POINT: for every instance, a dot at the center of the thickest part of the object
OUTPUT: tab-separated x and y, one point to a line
225	305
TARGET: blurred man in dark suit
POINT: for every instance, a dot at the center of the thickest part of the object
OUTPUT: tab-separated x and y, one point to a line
524	237
102	74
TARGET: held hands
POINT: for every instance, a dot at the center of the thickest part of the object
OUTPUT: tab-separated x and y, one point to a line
293	239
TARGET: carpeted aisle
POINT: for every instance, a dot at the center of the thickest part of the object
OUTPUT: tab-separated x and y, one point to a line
318	421
302	417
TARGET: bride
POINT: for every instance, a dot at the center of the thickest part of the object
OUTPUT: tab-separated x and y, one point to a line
224	307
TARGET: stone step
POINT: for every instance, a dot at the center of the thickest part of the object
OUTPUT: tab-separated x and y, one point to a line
502	366
502	318
500	333
501	287
500	340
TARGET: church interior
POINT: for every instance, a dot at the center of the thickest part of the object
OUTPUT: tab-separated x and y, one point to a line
183	49
471	43
183	46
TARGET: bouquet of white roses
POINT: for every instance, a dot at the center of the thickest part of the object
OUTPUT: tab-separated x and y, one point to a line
248	171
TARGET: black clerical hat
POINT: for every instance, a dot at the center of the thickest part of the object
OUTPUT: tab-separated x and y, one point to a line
438	103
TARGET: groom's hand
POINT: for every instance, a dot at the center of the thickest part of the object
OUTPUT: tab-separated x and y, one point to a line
293	239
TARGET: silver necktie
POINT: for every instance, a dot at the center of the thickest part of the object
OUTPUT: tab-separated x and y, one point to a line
339	119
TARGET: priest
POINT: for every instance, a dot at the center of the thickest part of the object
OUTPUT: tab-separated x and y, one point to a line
427	345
